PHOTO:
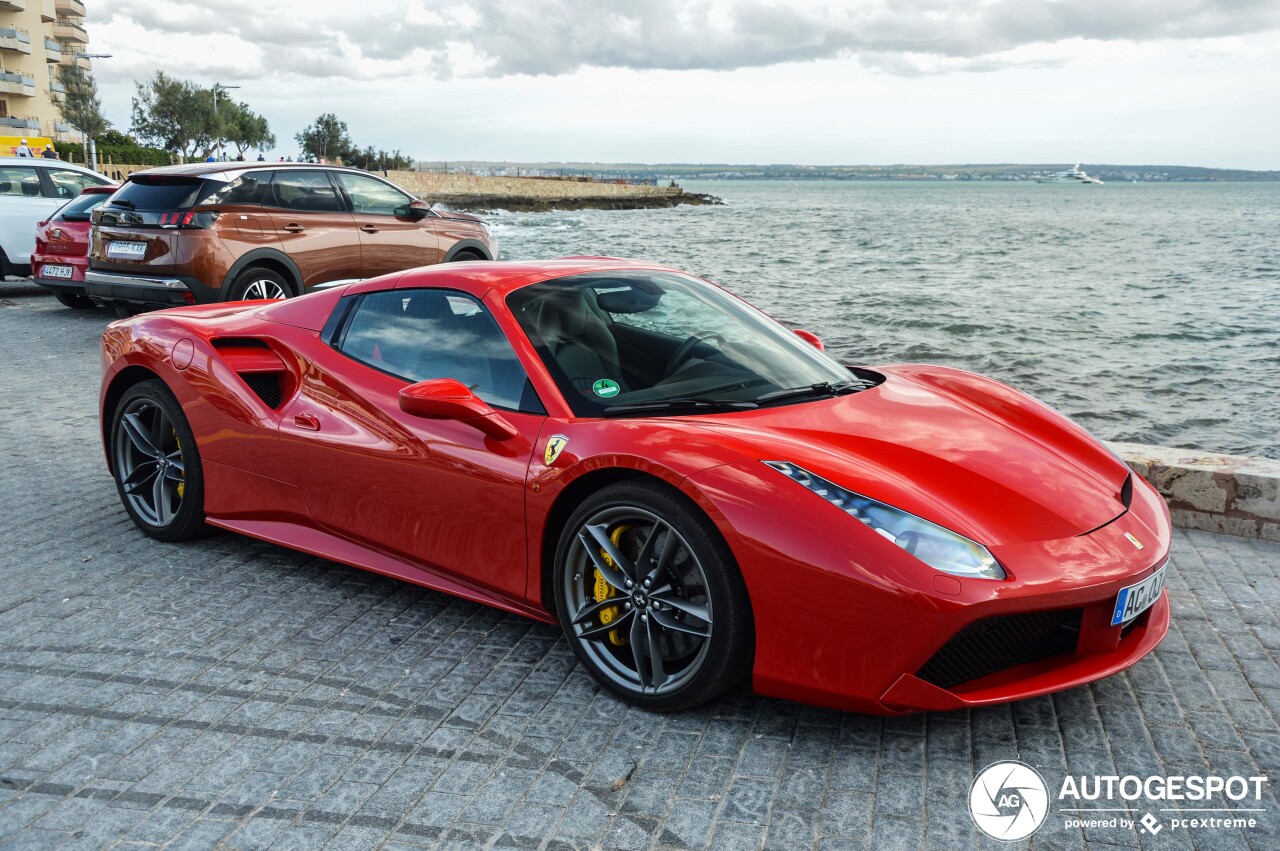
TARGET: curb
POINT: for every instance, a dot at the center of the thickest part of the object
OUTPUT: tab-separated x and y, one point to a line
1228	494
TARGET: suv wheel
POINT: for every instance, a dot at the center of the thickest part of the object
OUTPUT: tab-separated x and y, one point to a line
256	283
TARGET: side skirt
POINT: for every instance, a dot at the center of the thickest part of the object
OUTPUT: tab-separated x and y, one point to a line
328	546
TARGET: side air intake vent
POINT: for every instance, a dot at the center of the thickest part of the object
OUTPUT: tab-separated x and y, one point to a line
259	367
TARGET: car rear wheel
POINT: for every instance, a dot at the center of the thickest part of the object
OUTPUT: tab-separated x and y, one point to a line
156	464
75	301
255	283
651	599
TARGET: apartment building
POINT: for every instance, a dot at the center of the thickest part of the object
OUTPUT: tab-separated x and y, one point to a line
36	37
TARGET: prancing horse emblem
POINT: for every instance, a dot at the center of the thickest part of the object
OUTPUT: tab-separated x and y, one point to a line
1133	540
555	445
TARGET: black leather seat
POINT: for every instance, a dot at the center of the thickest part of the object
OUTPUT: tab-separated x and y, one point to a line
575	330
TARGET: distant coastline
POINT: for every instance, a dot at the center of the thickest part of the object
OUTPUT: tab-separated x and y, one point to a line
663	172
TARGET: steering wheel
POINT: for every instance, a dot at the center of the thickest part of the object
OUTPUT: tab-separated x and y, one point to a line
685	349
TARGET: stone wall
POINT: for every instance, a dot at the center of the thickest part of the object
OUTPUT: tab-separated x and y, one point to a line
1231	494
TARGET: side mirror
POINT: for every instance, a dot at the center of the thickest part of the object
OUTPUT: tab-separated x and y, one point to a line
415	210
811	338
447	399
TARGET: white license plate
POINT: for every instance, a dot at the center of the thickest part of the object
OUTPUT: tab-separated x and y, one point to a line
1136	599
116	248
51	270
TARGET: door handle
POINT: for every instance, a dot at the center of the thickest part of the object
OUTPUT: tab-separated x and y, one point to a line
293	228
308	421
369	228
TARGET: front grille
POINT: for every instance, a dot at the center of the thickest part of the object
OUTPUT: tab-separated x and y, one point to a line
266	385
993	644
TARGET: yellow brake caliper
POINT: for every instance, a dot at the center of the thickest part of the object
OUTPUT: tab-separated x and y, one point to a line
181	485
603	590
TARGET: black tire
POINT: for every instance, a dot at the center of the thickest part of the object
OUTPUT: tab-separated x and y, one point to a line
124	311
147	426
463	256
75	301
701	655
257	282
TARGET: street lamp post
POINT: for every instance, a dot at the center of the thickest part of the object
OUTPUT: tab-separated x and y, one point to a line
90	149
216	88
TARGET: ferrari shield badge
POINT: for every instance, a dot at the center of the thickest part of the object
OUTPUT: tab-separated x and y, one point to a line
1128	535
555	445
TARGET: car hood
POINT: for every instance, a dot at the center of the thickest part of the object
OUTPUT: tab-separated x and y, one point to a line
965	452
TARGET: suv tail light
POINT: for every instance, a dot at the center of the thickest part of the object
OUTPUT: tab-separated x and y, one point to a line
188	219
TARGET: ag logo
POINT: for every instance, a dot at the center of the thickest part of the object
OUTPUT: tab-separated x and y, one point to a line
1008	800
555	445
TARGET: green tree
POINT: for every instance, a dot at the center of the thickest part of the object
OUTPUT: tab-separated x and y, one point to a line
326	138
81	107
243	127
175	115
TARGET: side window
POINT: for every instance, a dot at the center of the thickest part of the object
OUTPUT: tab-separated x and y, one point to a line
67	183
370	196
305	191
251	188
422	334
16	180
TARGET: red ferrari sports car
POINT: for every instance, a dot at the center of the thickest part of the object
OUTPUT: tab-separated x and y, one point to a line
690	490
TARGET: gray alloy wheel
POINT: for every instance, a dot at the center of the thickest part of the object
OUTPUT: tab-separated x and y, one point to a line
650	599
156	464
256	283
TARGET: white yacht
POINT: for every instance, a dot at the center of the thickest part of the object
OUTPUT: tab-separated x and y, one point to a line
1074	175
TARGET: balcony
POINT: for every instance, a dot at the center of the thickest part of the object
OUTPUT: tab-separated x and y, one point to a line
60	131
13	5
47	12
13	38
69	58
23	123
64	30
52	50
69	7
56	87
14	83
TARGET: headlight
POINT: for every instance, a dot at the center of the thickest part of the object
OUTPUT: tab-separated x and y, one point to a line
937	547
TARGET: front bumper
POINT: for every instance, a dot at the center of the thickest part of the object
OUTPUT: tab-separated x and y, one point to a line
159	290
848	620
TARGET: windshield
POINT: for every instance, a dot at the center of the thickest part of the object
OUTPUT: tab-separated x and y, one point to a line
648	342
79	207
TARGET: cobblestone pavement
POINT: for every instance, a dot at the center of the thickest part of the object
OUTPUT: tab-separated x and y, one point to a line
230	693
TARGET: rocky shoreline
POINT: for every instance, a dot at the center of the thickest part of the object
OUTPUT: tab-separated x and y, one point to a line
543	204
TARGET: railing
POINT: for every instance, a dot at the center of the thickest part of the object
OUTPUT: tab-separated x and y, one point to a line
54	86
70	7
25	122
69	31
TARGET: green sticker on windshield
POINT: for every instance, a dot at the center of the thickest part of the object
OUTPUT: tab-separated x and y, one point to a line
605	388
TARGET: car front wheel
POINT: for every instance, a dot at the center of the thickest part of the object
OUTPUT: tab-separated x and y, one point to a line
651	599
156	464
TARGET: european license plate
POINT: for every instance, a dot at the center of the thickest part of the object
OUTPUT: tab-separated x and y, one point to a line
52	270
131	250
1136	599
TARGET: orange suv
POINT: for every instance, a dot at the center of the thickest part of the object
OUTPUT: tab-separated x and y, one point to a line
194	234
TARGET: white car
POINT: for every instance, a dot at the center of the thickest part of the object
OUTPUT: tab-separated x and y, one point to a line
30	191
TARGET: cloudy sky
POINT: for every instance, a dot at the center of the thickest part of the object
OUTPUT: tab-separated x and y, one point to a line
1193	82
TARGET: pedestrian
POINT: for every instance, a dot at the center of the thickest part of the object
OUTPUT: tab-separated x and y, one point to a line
261	157
23	151
212	158
49	153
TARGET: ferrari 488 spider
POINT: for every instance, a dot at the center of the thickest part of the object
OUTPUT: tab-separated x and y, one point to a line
690	490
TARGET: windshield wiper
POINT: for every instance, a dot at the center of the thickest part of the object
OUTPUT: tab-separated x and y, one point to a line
681	403
820	390
123	202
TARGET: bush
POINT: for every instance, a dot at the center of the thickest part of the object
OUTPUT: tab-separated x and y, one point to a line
118	154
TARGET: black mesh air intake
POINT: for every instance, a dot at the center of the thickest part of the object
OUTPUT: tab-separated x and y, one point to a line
993	644
266	385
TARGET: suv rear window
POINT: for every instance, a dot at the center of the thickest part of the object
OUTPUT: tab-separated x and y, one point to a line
79	208
157	193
